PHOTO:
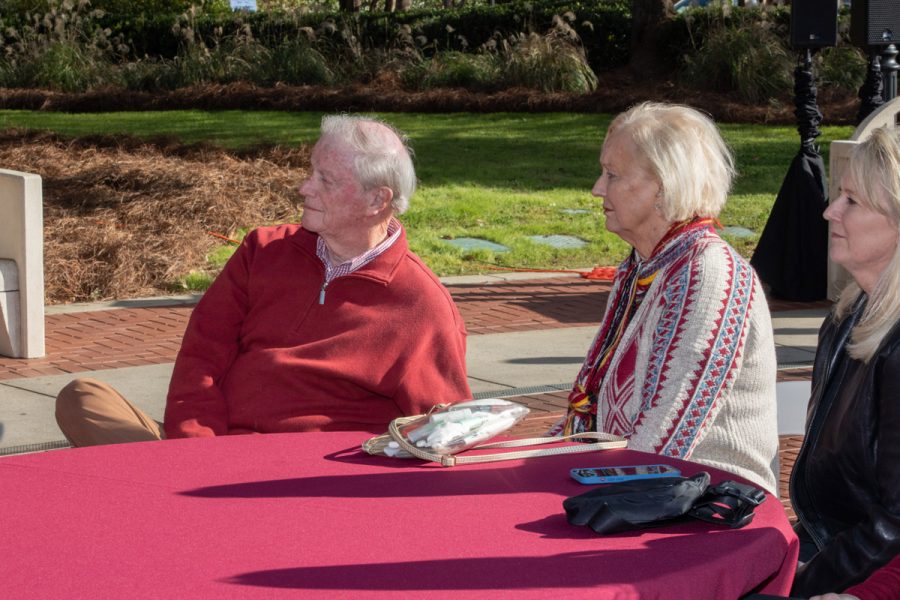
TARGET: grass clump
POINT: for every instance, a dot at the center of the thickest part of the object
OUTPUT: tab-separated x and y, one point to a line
549	62
553	62
841	67
63	49
750	60
296	62
452	69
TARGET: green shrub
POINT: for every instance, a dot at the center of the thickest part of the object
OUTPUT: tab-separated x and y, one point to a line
223	59
602	25
70	68
73	47
451	69
688	31
683	40
750	60
553	62
222	63
120	7
63	49
148	75
842	67
295	62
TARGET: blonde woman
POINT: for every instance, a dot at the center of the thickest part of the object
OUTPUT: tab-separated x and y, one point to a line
845	487
684	362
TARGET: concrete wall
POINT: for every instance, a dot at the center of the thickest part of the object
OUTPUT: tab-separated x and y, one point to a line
22	243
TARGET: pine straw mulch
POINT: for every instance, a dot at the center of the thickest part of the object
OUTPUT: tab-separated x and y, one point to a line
617	91
125	218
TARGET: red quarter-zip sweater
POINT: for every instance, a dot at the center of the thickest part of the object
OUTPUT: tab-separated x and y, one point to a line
262	354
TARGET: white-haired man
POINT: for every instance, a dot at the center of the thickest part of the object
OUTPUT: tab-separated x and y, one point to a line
332	324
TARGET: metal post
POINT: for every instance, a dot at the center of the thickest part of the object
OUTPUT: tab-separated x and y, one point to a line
889	69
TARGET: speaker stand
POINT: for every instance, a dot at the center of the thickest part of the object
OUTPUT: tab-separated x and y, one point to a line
806	110
870	92
889	69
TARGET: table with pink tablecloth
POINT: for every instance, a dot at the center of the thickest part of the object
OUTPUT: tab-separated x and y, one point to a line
310	515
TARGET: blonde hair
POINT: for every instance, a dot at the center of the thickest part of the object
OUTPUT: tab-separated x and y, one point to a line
874	169
684	150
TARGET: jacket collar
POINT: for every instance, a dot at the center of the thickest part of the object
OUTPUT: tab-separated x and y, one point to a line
381	269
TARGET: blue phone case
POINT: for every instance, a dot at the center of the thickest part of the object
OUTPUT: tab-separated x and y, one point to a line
595	475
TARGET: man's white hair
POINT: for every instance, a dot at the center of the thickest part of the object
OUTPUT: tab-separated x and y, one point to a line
381	155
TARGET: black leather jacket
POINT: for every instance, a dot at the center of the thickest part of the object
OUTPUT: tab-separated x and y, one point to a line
845	486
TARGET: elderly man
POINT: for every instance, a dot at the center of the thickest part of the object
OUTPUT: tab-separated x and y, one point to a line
327	325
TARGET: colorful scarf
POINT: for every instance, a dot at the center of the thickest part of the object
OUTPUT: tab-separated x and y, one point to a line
633	279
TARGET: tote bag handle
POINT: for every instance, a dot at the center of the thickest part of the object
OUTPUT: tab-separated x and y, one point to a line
602	441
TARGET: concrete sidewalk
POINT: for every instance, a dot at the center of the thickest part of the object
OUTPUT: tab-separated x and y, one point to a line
528	333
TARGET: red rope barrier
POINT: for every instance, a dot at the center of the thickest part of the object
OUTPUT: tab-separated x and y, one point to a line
597	273
222	237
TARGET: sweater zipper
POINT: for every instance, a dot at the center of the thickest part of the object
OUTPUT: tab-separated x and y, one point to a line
352	275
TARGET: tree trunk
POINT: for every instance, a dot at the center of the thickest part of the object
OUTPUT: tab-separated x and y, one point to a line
350	5
404	4
646	17
390	5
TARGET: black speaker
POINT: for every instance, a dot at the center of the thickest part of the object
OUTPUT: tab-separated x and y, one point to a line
874	22
814	23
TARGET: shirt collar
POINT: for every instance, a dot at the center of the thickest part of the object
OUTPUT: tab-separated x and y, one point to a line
357	262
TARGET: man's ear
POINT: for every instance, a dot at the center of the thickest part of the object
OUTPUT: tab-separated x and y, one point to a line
380	199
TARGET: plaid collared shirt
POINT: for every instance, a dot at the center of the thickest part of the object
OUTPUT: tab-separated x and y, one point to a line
358	262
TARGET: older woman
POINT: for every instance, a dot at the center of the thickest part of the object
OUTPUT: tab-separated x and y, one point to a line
845	487
684	362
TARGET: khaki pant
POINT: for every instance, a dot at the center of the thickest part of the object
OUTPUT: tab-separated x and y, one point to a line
90	413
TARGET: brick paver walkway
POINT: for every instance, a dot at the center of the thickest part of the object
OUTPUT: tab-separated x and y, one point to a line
106	339
530	305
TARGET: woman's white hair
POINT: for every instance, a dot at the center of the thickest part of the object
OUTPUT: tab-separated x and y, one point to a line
382	156
684	150
874	170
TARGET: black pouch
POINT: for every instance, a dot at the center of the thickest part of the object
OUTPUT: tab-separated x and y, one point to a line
635	504
728	503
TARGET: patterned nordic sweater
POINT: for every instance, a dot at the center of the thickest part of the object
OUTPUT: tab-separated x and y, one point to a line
693	376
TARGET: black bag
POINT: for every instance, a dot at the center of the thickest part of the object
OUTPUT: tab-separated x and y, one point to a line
728	503
645	503
635	504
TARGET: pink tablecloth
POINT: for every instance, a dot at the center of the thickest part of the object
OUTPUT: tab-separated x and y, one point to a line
310	515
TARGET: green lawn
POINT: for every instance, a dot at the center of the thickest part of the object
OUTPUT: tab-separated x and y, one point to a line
500	177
